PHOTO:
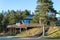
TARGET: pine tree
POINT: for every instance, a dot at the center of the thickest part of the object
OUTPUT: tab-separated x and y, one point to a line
42	8
1	18
12	17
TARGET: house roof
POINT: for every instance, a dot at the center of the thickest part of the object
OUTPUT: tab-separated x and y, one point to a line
28	17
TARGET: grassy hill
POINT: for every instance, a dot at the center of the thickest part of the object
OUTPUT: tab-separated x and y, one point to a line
30	32
53	32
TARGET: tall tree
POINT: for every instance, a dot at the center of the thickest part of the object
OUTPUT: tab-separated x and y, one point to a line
1	18
5	22
43	7
35	19
25	13
18	15
12	18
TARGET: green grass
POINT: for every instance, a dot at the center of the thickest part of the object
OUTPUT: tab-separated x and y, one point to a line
48	37
53	32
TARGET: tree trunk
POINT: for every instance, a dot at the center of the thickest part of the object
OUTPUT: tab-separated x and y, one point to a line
43	30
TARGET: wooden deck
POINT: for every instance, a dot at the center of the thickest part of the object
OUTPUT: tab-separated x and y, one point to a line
24	26
13	28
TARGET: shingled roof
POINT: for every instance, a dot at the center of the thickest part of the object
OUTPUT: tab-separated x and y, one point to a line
28	17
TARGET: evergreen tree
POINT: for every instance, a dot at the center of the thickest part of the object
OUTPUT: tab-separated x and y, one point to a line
18	15
35	19
5	22
43	7
25	13
11	17
1	18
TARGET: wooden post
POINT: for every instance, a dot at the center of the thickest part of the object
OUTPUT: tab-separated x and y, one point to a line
20	29
15	30
43	30
26	29
10	31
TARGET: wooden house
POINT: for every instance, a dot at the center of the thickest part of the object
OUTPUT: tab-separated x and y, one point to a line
22	24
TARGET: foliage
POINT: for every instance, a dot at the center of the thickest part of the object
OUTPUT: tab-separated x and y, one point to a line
1	18
25	13
44	7
10	17
18	15
35	19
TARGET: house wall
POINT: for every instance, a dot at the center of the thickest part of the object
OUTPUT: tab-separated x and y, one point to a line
26	21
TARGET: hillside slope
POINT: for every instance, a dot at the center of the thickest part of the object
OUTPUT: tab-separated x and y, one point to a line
53	32
30	32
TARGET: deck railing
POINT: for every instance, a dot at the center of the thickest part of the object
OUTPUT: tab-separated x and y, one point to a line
24	25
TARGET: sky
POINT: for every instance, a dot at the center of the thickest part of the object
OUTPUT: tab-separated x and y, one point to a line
17	5
23	4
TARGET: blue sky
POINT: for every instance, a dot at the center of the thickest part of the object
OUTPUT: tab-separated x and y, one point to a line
17	4
23	4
